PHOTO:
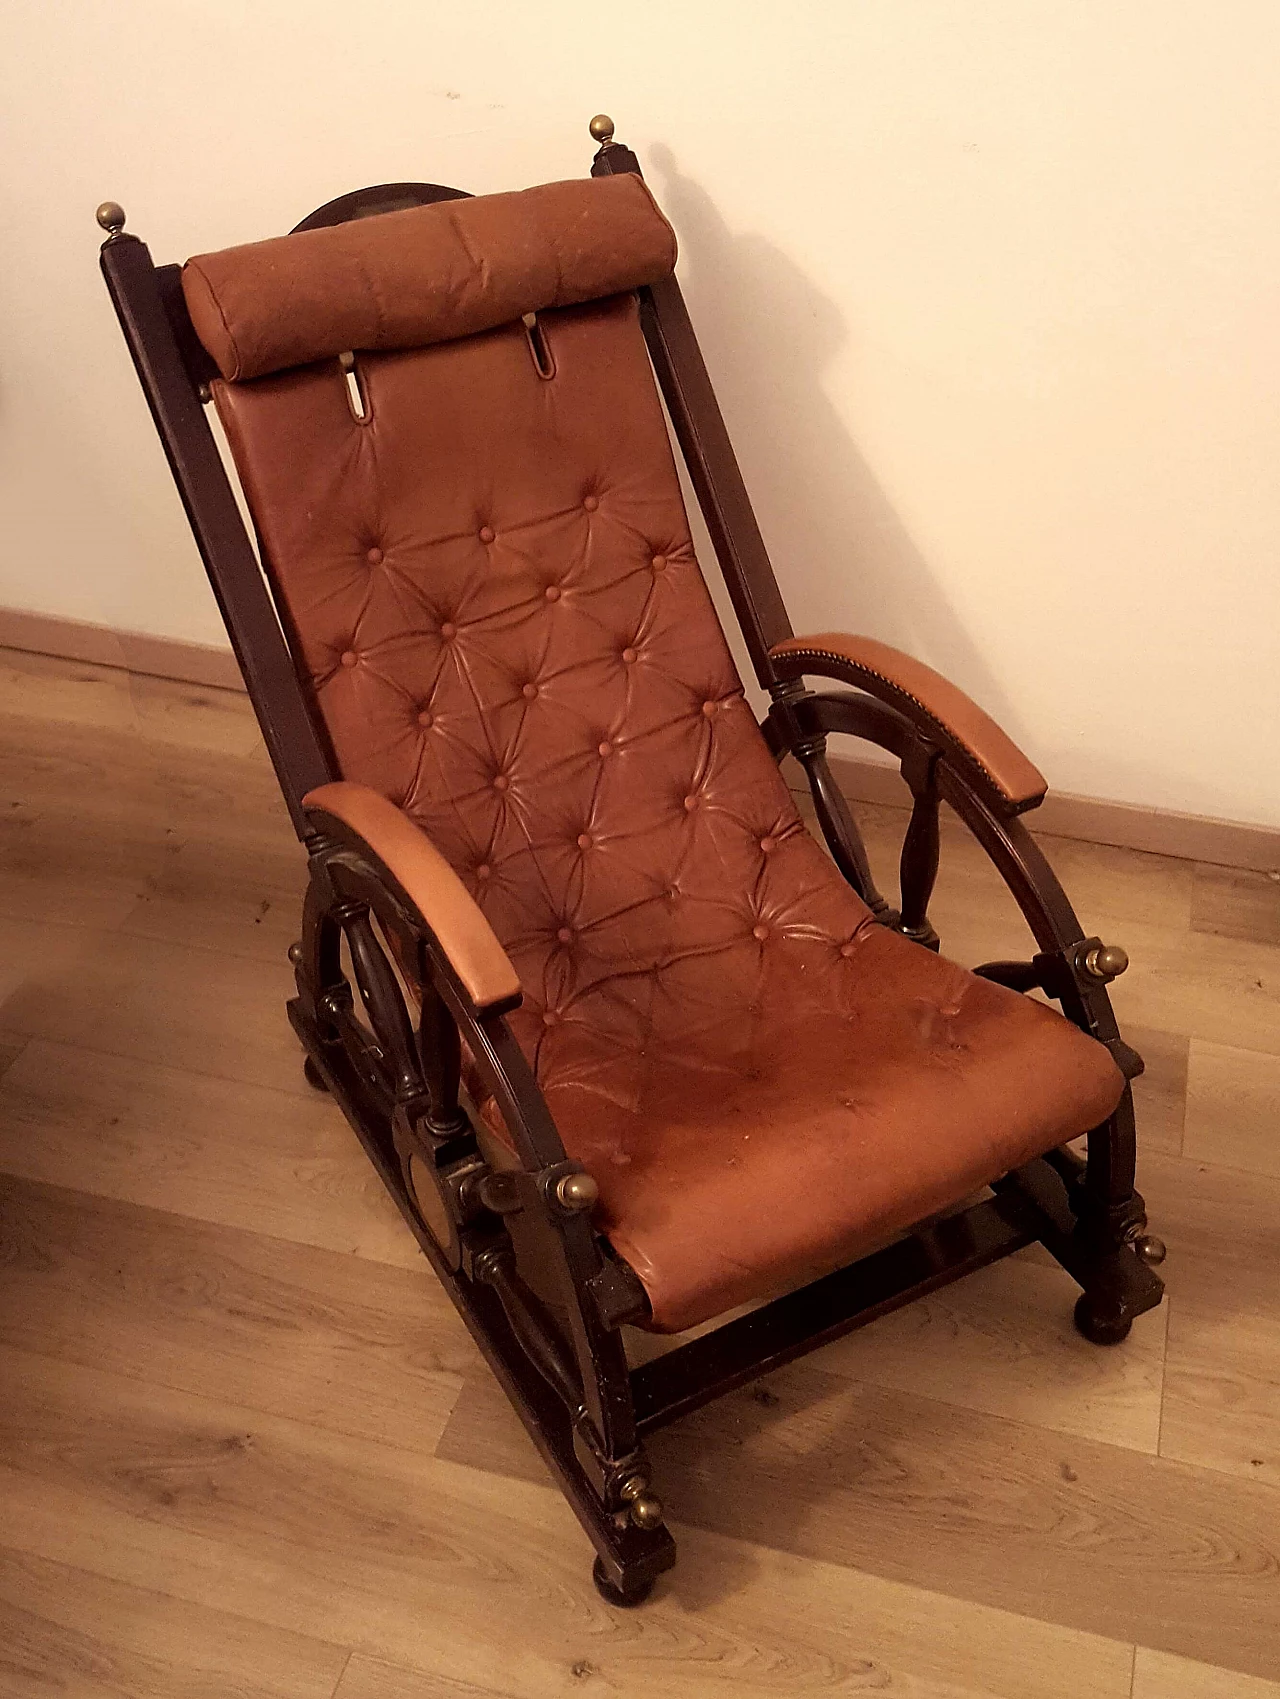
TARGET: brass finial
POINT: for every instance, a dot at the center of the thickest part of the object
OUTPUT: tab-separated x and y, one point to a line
646	1507
577	1191
601	127
1106	961
110	216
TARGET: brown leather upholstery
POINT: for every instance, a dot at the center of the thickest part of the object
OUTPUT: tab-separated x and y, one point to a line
940	708
405	279
496	601
429	882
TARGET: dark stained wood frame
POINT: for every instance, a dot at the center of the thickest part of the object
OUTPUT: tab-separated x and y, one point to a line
543	1294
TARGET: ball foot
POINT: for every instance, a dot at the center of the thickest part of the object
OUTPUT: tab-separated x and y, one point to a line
1100	1327
312	1075
623	1599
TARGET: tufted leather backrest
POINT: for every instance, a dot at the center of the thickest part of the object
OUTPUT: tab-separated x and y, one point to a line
495	599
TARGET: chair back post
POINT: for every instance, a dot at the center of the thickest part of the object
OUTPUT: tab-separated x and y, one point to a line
735	533
173	394
708	453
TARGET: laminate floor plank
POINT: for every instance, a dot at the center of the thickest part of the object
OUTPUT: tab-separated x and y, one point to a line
195	716
195	900
365	1349
50	691
1237	902
277	1162
1233	1107
455	1574
70	1632
1096	1537
1225	990
1003	1342
1222	1379
372	1678
149	1001
1160	1093
1157	1675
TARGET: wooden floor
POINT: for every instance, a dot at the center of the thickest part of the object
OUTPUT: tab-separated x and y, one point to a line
246	1448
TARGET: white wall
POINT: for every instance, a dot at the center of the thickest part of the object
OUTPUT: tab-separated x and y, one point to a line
991	291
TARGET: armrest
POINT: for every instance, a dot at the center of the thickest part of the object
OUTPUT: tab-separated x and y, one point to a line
427	879
937	708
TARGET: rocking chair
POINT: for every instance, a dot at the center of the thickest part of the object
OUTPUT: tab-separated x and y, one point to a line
623	1043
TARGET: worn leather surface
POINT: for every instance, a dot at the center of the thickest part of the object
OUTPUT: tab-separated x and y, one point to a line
498	607
938	707
426	878
426	274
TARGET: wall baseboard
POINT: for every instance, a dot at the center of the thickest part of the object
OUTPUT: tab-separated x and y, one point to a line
1190	837
159	657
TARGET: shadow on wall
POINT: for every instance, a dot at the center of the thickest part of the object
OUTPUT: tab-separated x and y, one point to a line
769	336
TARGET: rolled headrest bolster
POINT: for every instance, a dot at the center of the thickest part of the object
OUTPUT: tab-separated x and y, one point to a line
427	274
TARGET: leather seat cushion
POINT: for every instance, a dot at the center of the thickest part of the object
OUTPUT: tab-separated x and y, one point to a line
492	589
766	1112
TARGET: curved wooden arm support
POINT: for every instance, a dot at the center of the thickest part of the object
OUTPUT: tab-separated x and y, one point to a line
803	722
368	858
938	709
1018	858
424	879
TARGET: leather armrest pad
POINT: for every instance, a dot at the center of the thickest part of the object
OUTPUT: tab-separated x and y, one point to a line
927	698
424	875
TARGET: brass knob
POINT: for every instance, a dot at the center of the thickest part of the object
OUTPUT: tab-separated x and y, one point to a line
110	216
295	953
646	1507
577	1191
1106	961
646	1511
601	127
1153	1251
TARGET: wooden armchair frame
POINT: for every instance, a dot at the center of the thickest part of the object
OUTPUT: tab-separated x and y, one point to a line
542	1293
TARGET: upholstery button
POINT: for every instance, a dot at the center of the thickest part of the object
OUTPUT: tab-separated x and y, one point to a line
552	592
529	691
501	782
606	748
846	950
767	844
628	656
564	935
448	630
374	557
426	720
590	503
708	708
690	802
760	932
348	657
585	840
659	563
483	871
550	1017
486	533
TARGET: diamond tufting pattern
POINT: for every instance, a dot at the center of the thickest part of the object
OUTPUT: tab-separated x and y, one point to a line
493	592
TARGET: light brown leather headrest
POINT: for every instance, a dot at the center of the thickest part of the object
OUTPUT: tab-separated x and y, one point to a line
428	274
